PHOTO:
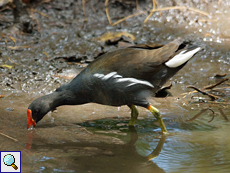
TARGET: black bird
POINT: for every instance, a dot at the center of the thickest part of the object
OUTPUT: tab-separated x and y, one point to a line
125	76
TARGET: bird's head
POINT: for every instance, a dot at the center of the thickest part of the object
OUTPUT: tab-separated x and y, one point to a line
37	110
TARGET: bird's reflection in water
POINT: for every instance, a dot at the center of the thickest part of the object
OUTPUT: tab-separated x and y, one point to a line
123	157
155	153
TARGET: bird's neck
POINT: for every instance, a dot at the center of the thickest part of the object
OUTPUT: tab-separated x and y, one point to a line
65	97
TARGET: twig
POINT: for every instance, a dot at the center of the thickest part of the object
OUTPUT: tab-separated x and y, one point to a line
223	114
221	75
107	11
201	112
8	136
5	8
46	55
191	92
33	10
154	7
197	115
13	39
205	1
17	47
213	97
12	61
213	115
127	17
221	103
198	11
214	85
219	2
151	12
180	8
83	7
45	1
137	6
208	88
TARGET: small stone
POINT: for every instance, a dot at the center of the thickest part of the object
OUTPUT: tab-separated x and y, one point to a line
108	153
9	109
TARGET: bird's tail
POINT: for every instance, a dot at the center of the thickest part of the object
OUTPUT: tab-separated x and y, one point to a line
183	56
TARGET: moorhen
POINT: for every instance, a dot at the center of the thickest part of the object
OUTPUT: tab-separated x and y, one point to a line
125	76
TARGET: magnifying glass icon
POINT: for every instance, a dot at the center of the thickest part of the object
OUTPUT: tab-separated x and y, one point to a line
9	160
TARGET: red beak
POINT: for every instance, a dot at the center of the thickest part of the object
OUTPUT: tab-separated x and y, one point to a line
30	119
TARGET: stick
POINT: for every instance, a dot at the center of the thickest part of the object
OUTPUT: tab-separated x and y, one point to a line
127	17
83	6
36	11
221	75
206	90
221	103
154	7
9	137
223	114
214	85
12	61
180	8
213	115
213	97
201	112
197	115
151	11
107	11
137	7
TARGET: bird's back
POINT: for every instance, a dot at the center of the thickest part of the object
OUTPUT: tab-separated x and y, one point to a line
119	77
134	61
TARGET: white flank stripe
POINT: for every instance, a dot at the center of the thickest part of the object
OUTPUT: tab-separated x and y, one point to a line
106	77
99	75
119	79
133	81
181	58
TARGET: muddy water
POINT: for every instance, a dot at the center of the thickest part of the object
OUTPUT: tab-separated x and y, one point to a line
96	138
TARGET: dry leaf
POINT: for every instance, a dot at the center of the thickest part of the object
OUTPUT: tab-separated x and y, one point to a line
110	36
7	66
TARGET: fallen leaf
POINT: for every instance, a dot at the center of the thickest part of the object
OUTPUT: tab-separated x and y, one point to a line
17	47
4	2
110	36
220	75
13	39
7	66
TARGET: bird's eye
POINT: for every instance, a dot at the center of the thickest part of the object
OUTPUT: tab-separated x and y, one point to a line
36	111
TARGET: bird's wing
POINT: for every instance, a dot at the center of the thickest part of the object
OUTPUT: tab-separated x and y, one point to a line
136	61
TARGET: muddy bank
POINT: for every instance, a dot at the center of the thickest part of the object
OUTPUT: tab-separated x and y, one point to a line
62	39
96	138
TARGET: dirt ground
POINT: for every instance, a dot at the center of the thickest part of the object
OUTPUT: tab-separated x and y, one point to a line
69	34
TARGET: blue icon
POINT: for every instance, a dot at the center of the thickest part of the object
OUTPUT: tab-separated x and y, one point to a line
9	160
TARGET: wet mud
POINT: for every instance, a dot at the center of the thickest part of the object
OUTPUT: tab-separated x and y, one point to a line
96	138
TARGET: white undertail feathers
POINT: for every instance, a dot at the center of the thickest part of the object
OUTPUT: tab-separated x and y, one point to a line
181	58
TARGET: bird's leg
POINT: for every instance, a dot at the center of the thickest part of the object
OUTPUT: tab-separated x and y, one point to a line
157	114
134	114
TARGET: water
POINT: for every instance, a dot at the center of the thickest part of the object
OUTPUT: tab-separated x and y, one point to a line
82	139
96	138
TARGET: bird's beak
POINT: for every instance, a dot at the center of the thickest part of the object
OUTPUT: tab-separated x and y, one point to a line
30	119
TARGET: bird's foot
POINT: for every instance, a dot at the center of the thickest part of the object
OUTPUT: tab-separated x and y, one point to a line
157	114
134	115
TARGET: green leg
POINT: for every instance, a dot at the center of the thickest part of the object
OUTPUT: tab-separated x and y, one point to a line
157	114
134	114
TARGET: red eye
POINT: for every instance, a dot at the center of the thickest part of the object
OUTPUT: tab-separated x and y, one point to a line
36	111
